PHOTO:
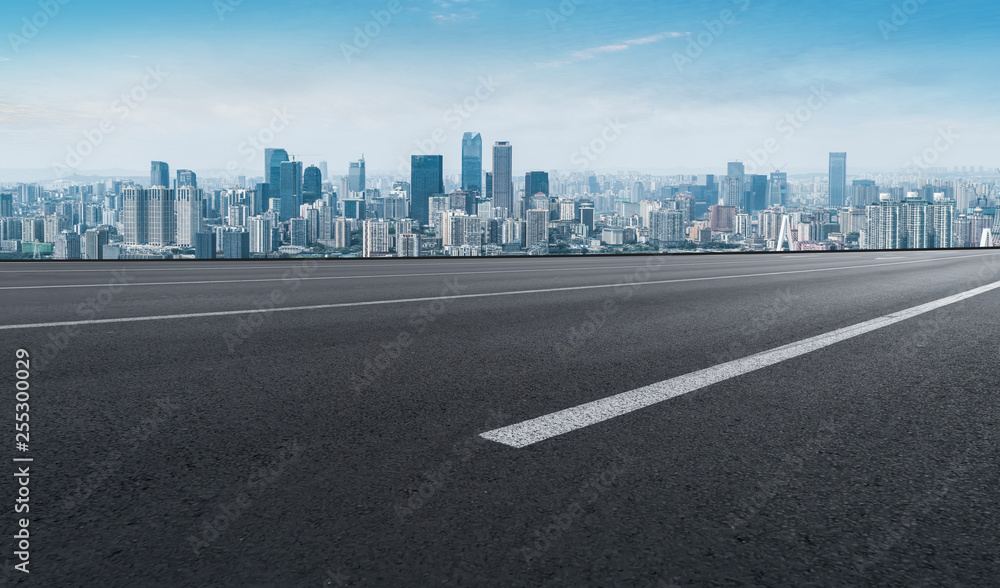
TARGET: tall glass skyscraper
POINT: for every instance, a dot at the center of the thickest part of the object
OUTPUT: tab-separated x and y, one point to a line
312	185
503	178
186	179
838	179
426	180
273	158
356	175
159	174
472	162
291	189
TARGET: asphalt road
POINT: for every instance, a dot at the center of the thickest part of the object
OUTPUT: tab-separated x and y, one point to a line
334	438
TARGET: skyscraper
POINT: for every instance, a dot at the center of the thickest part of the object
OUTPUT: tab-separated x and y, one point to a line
356	176
6	205
94	242
488	186
426	180
273	158
162	222
312	185
535	182
291	189
135	202
757	199
205	246
186	179
503	179
777	190
537	230
733	190
236	245
159	174
838	179
472	162
188	208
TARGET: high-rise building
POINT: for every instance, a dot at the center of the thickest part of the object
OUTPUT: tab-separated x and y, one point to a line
273	158
161	223
67	246
426	180
536	182
186	179
777	190
943	212
312	185
667	227
838	180
205	246
472	163
503	179
135	215
356	176
375	240
260	235
884	229
488	187
188	208
298	232
863	193
757	197
537	229
355	209
6	205
236	245
722	218
159	175
407	245
324	170
733	186
341	233
291	189
915	227
93	243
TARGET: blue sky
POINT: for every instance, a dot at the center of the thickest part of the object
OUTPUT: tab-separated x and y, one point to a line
688	96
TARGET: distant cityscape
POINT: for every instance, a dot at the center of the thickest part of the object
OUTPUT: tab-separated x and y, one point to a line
298	211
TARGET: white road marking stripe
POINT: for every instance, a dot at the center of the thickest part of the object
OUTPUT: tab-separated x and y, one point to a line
455	297
552	425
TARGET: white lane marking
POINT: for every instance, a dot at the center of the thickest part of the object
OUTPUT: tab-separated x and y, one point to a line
552	425
882	258
622	284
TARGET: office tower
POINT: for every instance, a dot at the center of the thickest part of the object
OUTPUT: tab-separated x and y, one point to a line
291	189
838	180
93	243
298	231
757	199
863	193
375	240
733	186
159	175
341	233
777	190
883	229
188	206
407	245
355	209
325	230
273	158
161	223
488	187
260	235
503	179
6	205
535	183
356	176
587	217
324	170
67	246
426	180
667	227
205	246
135	215
472	163
186	179
537	229
236	245
312	185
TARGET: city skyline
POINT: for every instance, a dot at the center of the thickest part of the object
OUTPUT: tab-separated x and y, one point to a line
680	85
